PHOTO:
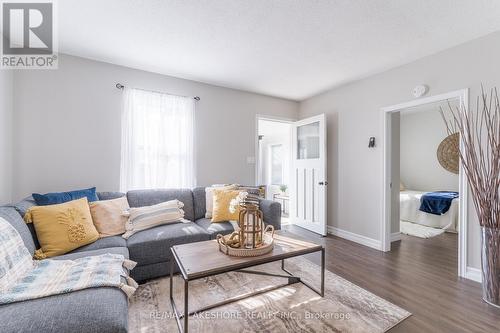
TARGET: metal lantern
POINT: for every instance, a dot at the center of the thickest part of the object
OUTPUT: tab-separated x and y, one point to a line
251	226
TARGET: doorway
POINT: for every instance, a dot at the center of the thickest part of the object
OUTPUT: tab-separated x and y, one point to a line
274	162
403	203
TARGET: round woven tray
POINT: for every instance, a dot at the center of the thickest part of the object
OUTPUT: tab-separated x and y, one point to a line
448	153
266	247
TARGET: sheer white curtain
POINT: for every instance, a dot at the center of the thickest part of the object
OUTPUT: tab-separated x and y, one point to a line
157	141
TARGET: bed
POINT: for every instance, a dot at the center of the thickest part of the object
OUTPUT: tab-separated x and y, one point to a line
409	211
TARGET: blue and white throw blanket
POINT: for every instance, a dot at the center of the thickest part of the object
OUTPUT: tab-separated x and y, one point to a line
22	278
437	203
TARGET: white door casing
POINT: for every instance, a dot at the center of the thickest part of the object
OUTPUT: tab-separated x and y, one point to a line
385	223
308	174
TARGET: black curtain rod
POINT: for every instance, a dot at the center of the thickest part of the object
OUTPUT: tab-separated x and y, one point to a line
121	86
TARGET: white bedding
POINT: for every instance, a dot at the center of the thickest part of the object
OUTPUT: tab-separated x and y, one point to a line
409	204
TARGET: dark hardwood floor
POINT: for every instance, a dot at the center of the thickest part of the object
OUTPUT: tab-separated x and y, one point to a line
419	275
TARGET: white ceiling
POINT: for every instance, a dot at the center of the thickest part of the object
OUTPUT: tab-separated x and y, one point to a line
287	48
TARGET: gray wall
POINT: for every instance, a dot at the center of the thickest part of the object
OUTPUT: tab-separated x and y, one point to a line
6	105
68	126
421	134
354	115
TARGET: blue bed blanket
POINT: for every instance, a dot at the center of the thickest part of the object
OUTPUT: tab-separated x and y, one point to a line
437	203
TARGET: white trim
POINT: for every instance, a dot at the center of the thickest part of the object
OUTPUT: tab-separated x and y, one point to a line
395	236
463	187
363	240
474	274
426	100
463	95
385	226
276	118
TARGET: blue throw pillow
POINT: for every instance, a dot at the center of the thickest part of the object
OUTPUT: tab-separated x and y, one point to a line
62	197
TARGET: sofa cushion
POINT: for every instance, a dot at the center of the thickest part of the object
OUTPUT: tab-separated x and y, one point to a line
140	198
209	196
271	211
94	310
153	245
63	227
110	195
221	205
199	198
109	216
62	197
103	243
147	272
147	217
12	216
23	205
215	228
75	255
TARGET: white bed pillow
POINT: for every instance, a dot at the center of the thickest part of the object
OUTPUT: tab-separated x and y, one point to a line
142	218
209	196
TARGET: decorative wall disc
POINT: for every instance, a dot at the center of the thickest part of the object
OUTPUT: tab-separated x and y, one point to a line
448	153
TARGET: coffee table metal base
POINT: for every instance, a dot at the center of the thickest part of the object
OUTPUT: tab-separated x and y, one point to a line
183	320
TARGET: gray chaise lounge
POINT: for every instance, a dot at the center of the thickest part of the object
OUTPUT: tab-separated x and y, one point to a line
105	309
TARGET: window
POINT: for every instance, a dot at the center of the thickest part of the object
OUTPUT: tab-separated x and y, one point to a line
308	141
276	164
157	141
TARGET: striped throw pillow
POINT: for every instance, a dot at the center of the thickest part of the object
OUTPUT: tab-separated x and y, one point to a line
142	218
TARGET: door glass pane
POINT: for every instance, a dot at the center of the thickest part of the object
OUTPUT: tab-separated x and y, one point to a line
308	141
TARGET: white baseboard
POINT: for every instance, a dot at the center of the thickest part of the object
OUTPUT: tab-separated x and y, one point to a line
395	236
363	240
474	274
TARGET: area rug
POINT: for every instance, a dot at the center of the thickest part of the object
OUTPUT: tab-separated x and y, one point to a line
418	230
294	308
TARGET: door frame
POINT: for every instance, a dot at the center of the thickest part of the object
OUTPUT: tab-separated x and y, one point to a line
268	118
385	225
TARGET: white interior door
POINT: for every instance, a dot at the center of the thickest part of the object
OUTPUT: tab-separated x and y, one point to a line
308	174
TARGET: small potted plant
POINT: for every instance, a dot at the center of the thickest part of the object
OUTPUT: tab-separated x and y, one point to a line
283	189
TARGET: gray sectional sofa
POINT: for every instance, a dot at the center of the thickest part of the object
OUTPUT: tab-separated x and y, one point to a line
105	309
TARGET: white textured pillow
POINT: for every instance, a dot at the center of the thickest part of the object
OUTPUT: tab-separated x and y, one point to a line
142	218
209	197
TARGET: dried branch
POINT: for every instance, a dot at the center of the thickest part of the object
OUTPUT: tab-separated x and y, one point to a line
480	152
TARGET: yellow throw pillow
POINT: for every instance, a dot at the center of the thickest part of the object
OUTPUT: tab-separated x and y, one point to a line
222	199
209	197
61	228
108	216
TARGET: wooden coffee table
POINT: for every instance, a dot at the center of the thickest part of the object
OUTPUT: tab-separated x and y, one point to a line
203	259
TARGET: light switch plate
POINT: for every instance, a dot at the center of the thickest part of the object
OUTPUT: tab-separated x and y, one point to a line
250	159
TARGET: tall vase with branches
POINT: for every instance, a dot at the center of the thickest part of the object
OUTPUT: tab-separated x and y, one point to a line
480	157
